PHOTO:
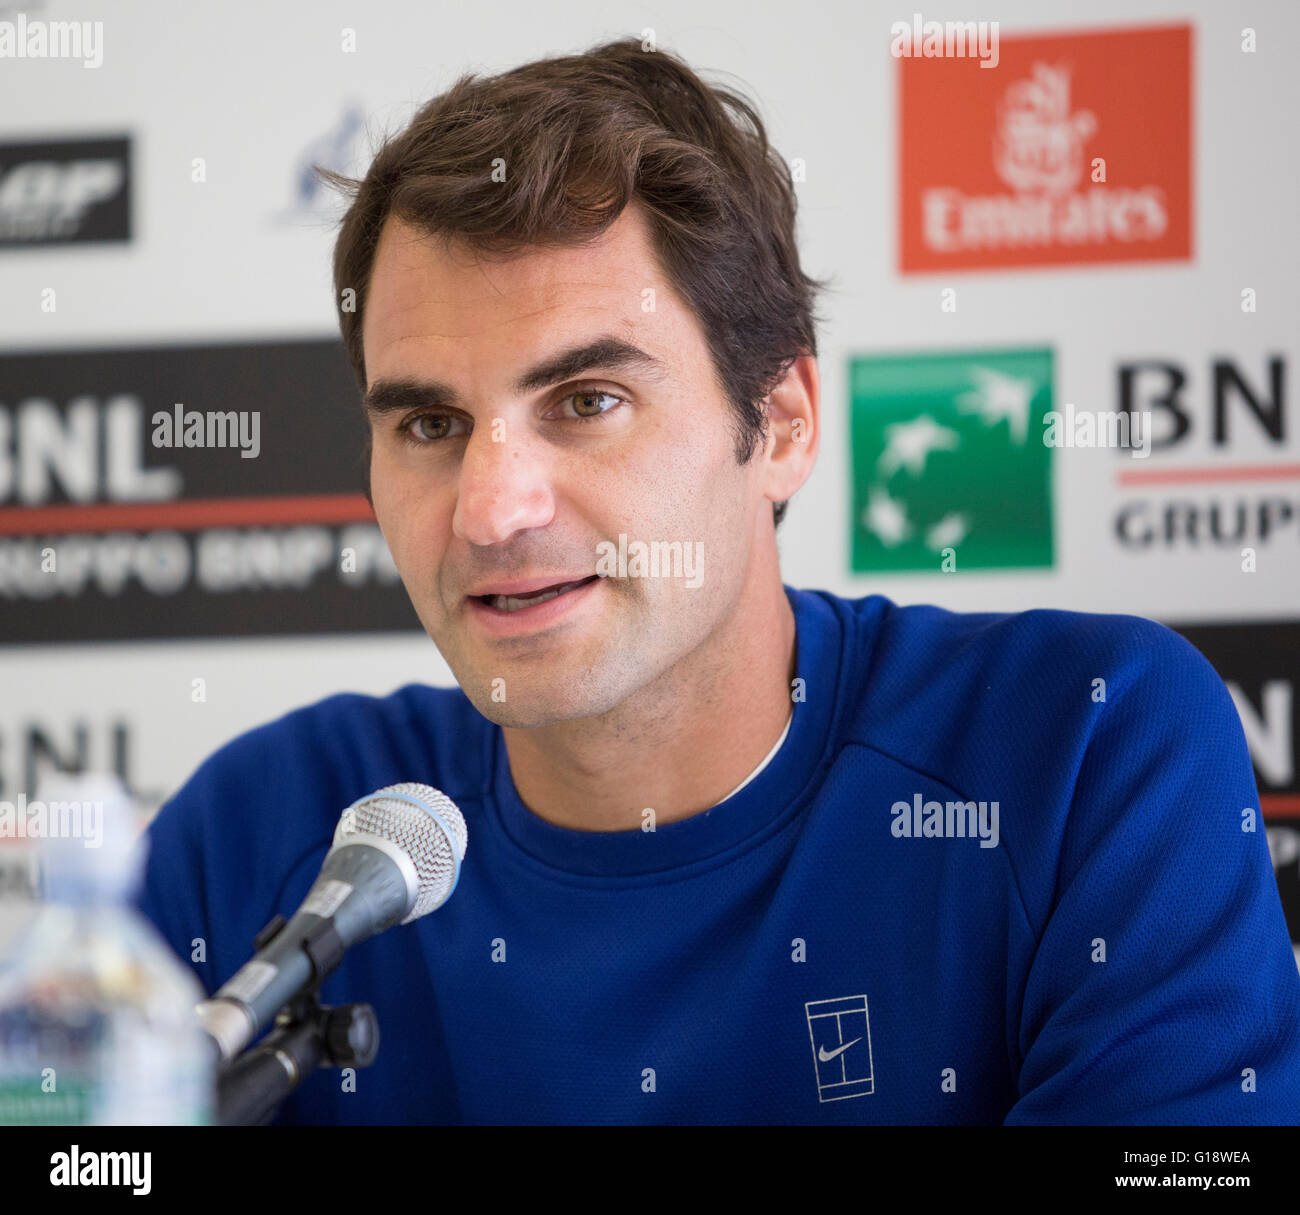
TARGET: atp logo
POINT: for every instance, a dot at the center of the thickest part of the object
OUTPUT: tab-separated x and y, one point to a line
841	1044
949	468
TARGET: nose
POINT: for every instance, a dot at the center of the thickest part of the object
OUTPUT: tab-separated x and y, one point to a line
504	488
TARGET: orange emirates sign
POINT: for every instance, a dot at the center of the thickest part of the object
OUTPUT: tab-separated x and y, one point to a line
1076	149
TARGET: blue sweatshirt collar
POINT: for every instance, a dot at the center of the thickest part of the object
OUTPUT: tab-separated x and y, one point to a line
741	818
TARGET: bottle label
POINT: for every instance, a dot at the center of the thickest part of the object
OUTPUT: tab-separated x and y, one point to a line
24	1102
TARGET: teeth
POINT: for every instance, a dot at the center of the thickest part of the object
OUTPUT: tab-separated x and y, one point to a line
512	603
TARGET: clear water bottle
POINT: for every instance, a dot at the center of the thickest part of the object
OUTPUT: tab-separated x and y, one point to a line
97	1022
19	884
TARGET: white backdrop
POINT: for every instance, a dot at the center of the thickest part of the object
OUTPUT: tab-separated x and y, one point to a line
254	89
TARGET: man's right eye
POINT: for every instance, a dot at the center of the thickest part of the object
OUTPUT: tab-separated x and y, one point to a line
426	428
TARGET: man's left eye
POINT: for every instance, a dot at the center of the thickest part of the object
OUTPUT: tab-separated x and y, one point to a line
586	403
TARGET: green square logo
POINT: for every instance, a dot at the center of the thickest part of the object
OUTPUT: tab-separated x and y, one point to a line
949	465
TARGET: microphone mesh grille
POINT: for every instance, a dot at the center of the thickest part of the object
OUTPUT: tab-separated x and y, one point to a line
416	830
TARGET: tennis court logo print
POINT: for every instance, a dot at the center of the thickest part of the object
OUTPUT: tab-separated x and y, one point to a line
841	1046
948	458
1077	149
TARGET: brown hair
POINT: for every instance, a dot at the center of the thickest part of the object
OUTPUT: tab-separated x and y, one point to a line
582	136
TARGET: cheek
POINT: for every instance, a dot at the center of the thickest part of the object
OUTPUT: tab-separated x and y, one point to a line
664	479
704	482
384	494
409	516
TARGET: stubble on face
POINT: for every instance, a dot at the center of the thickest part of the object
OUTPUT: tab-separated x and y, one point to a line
664	470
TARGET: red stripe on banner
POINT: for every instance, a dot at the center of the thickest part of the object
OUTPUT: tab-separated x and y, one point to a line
189	515
1280	805
1191	476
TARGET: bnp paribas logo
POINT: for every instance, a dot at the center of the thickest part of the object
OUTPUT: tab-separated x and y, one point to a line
950	471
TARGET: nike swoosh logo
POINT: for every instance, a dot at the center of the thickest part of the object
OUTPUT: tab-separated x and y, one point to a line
826	1056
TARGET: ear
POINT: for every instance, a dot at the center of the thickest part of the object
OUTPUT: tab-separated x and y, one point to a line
794	430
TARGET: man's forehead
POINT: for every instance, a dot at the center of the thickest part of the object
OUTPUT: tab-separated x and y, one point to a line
426	289
412	263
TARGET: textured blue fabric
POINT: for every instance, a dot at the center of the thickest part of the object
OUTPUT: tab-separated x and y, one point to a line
790	956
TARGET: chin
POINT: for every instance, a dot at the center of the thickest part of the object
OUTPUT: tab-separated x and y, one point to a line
532	708
527	715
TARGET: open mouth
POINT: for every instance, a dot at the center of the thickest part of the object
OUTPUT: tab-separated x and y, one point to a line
517	603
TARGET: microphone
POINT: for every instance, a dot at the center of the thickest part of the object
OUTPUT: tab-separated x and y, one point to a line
395	856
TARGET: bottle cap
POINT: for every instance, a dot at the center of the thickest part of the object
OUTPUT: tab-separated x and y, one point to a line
91	847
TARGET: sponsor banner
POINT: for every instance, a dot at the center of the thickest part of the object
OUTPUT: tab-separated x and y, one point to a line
65	192
35	748
341	149
1218	481
187	492
1076	149
948	458
1260	663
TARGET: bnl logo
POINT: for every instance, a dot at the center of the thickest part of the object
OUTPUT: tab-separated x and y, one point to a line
841	1045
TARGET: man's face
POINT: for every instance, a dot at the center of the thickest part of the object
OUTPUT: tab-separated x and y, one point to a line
487	478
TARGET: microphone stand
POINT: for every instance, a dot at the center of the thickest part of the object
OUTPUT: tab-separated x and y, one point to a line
307	1035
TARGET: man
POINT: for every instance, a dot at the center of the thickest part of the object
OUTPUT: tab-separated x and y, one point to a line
737	852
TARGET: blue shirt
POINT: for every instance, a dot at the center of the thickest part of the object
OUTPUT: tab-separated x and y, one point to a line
1005	868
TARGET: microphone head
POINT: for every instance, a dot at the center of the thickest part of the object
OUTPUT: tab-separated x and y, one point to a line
425	824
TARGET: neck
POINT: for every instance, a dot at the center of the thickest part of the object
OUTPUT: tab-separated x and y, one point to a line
679	745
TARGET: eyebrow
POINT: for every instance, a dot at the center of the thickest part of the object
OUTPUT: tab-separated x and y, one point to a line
606	353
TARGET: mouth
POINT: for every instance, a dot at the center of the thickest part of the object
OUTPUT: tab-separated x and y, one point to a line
507	605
